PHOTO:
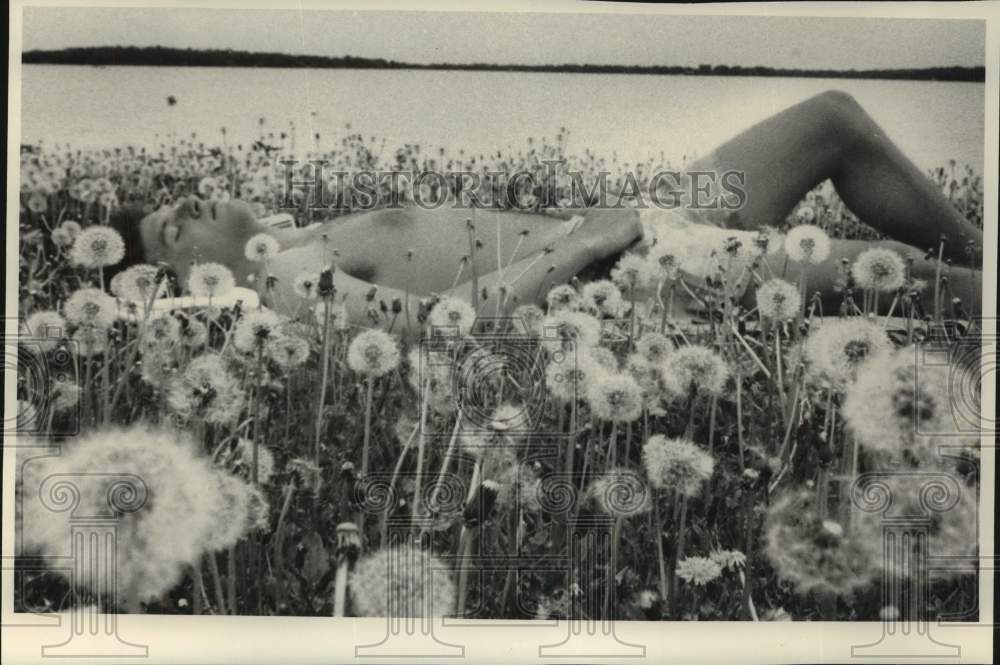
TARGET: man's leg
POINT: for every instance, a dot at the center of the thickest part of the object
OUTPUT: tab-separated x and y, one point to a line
830	136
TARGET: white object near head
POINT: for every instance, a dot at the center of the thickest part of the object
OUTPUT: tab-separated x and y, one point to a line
136	311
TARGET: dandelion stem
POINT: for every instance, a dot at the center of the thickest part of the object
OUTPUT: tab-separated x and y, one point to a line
658	535
325	370
421	444
220	597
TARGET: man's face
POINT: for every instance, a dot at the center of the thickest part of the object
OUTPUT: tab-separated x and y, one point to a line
195	231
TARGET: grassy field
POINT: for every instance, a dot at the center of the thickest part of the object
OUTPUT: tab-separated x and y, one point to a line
722	458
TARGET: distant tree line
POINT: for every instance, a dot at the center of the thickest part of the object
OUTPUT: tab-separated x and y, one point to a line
161	56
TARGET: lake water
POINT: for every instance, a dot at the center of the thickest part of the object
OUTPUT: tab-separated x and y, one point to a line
632	116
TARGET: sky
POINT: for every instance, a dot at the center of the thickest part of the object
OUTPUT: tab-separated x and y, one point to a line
536	38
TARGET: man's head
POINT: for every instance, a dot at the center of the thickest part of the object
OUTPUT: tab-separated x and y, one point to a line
191	231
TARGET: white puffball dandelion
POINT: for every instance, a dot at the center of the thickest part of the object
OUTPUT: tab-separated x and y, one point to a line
667	259
530	318
158	474
306	285
287	351
632	272
97	247
46	329
137	283
91	307
373	353
807	243
210	280
676	464
562	297
161	332
194	334
452	317
90	341
654	347
604	357
568	377
66	233
952	530
262	247
620	493
837	348
809	555
602	297
647	376
254	329
615	398
694	369
206	391
698	570
900	400
574	330
401	581
778	300
879	269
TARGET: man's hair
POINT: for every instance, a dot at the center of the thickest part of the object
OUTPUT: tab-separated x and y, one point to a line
125	220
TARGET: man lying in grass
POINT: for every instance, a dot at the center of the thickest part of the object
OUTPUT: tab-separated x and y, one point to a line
406	254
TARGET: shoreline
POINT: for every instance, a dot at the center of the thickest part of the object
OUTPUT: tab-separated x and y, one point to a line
171	57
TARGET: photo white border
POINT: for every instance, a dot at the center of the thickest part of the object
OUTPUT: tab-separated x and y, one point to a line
210	640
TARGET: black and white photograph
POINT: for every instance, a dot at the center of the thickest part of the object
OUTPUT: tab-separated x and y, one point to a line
588	314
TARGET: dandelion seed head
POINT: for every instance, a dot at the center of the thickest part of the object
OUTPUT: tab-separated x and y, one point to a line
575	330
900	401
137	283
807	243
620	493
810	555
531	318
254	329
97	247
602	297
210	280
563	297
262	247
306	285
206	391
287	351
161	332
879	269
676	464
373	353
165	533
694	368
91	307
46	328
90	341
615	398
953	529
778	300
568	377
837	348
401	581
194	335
632	272
654	346
452	316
